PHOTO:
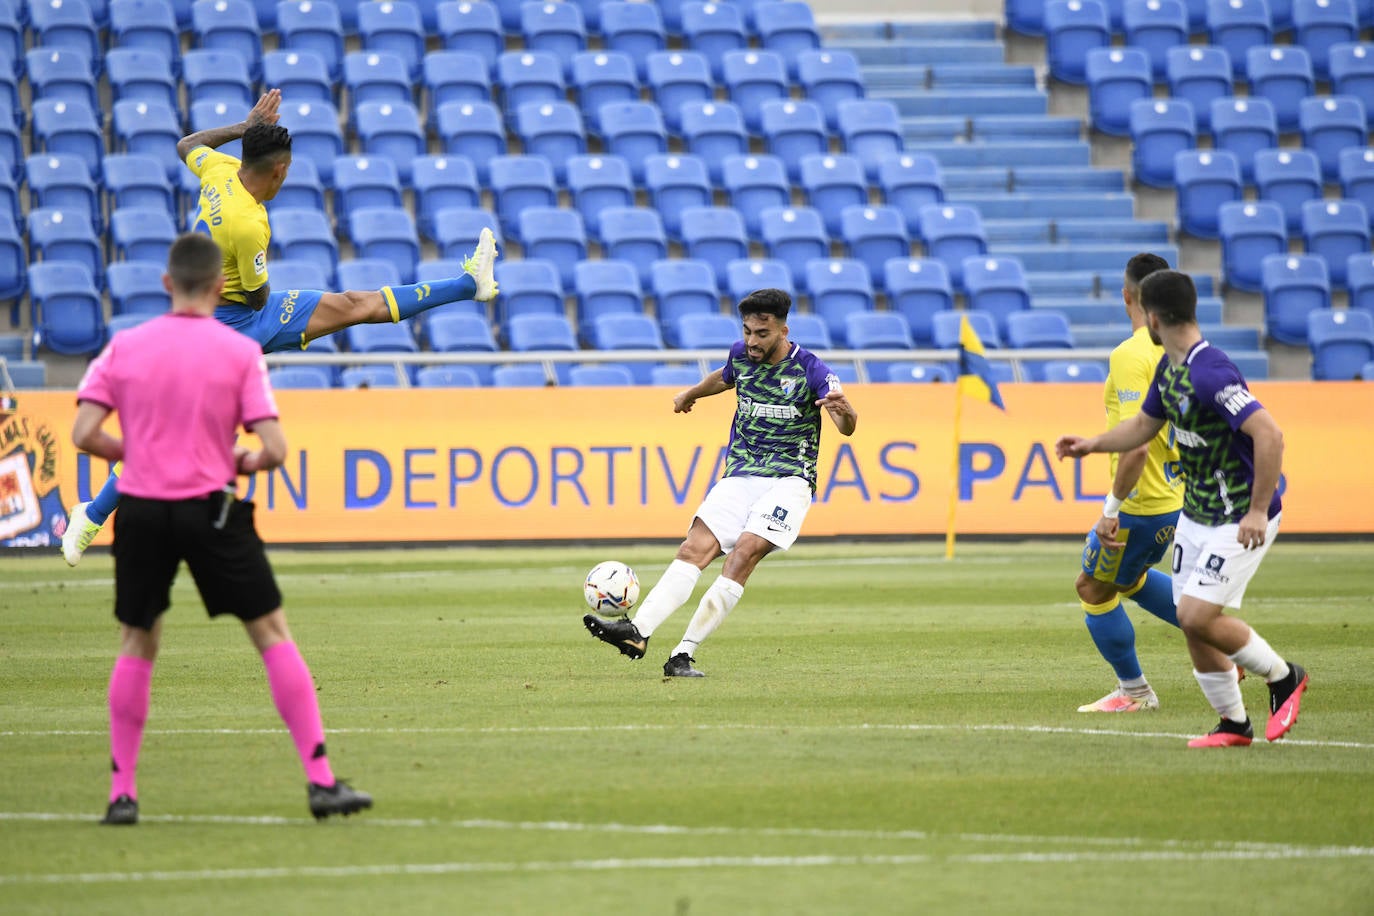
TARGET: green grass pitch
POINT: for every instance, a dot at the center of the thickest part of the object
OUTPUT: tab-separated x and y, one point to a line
880	731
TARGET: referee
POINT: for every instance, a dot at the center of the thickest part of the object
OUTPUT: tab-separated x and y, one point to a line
182	385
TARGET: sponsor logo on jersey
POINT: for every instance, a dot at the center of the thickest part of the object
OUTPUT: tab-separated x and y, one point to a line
200	160
777	520
260	262
1234	398
832	381
752	408
1127	395
1211	571
1190	438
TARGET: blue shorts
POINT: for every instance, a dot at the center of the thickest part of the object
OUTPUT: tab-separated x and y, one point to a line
280	324
1147	537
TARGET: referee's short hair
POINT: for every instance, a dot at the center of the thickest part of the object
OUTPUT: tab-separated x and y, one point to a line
194	262
1171	295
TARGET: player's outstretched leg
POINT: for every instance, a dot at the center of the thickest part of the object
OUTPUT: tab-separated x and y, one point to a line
619	632
87	519
478	282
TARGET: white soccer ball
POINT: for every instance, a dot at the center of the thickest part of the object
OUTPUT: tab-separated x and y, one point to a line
611	588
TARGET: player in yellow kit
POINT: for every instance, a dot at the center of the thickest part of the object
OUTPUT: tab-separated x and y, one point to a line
1138	518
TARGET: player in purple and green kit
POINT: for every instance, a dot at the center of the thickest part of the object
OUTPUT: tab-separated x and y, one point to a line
769	482
1231	451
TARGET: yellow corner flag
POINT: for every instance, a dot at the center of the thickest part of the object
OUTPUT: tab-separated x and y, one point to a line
975	381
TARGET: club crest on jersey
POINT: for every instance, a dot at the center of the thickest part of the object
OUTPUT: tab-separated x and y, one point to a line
788	386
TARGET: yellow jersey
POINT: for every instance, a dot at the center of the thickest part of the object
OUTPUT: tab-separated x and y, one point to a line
1132	370
234	219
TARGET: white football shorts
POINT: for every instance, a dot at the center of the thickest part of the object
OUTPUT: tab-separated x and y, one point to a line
1211	565
771	507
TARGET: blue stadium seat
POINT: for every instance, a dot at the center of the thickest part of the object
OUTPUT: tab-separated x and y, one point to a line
213	113
302	76
230	26
871	130
1160	130
839	287
394	27
997	286
66	26
878	331
1038	329
829	77
832	183
540	332
809	331
63	182
473	130
1073	370
1072	29
364	181
457	229
1320	24
522	375
707	332
555	233
391	130
149	128
910	181
450	332
474	28
143	75
716	235
712	29
67	314
1235	26
1282	76
601	77
520	182
530	286
217	76
307	235
378	77
142	233
149	25
1334	230
315	135
916	372
12	40
754	184
787	27
378	376
794	235
794	129
1242	127
918	289
676	376
634	131
1294	285
553	130
1199	75
301	187
600	376
1250	231
529	76
136	287
1289	178
608	288
746	275
874	235
1116	77
682	286
454	76
1330	126
713	131
1156	27
440	182
381	338
635	236
676	78
555	28
447	377
305	25
285	378
62	75
944	329
953	232
598	183
1342	342
676	183
1359	278
13	264
635	29
1206	179
386	233
1357	177
1352	73
297	273
119	323
753	77
60	235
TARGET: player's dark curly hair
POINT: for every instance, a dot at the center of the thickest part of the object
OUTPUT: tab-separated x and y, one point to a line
1171	295
264	142
773	302
1142	265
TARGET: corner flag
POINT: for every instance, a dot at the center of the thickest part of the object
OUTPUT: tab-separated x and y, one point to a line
975	375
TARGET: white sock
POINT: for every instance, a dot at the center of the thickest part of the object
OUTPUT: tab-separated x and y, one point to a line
1257	656
1222	690
719	600
672	591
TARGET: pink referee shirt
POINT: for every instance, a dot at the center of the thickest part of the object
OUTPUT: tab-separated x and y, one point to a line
182	386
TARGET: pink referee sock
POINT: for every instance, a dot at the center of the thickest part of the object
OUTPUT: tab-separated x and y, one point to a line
130	691
293	692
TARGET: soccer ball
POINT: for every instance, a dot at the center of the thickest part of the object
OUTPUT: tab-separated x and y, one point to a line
611	588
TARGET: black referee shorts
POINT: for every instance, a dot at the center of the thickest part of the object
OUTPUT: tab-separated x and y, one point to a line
229	565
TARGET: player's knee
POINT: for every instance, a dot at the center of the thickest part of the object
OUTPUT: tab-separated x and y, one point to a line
1093	591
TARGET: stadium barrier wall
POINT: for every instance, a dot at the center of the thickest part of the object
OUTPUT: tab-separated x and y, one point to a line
578	464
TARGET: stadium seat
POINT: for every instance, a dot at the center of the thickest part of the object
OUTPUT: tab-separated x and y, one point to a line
712	29
607	288
1073	370
305	25
148	25
787	28
1160	129
916	372
302	76
473	130
149	128
871	131
839	287
634	235
230	26
997	286
1333	230
1359	278
1357	178
953	232
1330	126
212	113
1242	127
1116	77
792	130
296	273
63	127
118	323
284	378
910	181
391	130
378	77
62	75
454	76
315	135
1282	76
754	184
944	328
457	229
918	288
1072	29
454	332
1352	73
753	77
634	131
1342	342
381	338
529	76
556	234
305	235
707	332
386	233
141	75
60	235
13	264
1156	27
1206	179
142	233
600	376
63	26
878	331
62	181
682	286
713	131
635	29
874	235
1250	231
832	183
1294	285
598	183
218	76
441	182
530	286
601	77
1039	329
1199	75
554	28
447	377
363	181
522	375
1320	24
794	235
716	235
540	332
829	77
1289	178
377	376
136	287
67	315
676	78
744	276
394	27
474	28
520	182
553	130
809	331
1236	26
676	376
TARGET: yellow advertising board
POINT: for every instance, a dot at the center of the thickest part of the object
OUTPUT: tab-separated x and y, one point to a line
381	466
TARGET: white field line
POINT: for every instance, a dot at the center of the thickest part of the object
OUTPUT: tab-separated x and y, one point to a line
594	729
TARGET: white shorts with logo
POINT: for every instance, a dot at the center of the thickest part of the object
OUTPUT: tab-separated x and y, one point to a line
771	507
1211	565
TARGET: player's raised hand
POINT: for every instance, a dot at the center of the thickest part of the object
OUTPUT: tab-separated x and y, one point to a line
1071	447
266	110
